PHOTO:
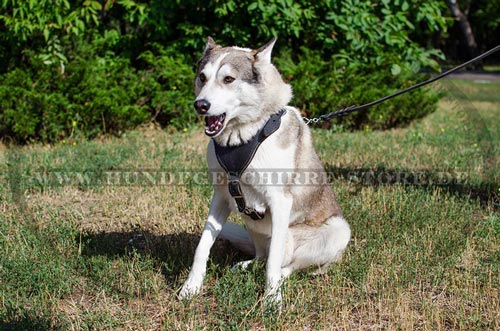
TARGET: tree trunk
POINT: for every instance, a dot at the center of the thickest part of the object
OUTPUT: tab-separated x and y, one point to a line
465	29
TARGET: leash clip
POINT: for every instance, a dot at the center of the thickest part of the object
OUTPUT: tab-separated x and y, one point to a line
312	120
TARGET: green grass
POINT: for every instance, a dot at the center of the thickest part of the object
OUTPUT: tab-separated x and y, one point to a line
82	251
492	67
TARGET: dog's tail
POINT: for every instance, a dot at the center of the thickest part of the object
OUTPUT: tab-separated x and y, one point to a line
239	237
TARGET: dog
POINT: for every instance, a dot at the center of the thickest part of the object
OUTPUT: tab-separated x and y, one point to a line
293	224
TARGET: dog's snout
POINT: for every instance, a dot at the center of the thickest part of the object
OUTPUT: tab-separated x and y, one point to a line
202	106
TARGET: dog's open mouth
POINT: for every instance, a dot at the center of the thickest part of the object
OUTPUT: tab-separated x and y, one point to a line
214	124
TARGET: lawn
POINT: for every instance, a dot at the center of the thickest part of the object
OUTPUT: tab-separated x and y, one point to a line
94	235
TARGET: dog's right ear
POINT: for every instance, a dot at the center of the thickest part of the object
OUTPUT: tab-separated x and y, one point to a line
264	53
210	44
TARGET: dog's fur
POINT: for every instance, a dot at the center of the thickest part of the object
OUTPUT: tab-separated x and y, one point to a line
303	226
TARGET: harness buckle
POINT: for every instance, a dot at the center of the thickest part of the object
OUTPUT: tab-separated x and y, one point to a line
235	188
253	214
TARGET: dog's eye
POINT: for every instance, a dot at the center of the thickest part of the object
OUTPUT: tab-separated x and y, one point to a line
202	78
228	80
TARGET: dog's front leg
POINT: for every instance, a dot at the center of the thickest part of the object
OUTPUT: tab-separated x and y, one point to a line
280	213
217	215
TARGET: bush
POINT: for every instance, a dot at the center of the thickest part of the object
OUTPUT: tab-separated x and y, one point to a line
96	95
99	95
105	94
322	86
31	107
171	76
94	69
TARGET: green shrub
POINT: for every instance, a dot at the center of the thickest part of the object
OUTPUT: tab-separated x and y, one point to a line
31	107
322	86
171	77
106	95
89	69
96	95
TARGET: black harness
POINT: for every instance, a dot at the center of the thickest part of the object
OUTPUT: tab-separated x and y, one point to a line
235	159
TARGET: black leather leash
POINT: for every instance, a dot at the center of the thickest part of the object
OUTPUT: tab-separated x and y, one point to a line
351	109
235	159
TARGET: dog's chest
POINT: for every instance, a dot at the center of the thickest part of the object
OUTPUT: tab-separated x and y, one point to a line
263	178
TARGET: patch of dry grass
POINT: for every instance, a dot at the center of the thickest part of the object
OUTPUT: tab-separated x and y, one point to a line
100	255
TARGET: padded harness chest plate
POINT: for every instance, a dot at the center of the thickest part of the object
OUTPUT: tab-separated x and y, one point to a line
235	159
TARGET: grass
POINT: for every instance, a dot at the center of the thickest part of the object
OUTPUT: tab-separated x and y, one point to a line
86	247
492	67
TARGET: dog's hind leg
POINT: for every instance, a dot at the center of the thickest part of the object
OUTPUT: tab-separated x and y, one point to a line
239	237
318	246
249	242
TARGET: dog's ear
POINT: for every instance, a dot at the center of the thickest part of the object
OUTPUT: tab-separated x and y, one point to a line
264	53
210	44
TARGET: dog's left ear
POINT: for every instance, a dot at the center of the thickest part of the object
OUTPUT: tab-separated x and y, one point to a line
264	52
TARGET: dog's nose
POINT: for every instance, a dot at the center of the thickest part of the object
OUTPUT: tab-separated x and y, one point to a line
202	106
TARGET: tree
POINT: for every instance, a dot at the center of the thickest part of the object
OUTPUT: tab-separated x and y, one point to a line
467	34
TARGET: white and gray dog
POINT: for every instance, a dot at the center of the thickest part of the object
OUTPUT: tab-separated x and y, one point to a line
294	223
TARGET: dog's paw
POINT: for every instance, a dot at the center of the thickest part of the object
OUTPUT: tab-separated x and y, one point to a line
191	287
273	301
188	291
243	265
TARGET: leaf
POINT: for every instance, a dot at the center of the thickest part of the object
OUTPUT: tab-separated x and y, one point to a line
434	65
96	5
395	69
46	34
415	67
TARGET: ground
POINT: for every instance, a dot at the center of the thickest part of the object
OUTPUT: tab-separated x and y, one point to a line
95	236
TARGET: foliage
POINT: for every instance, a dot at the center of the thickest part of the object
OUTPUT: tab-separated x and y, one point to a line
171	77
94	68
484	17
96	95
322	86
44	23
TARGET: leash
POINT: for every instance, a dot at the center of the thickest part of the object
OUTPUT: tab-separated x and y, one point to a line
351	109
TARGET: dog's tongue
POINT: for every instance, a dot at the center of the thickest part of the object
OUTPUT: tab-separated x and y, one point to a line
214	123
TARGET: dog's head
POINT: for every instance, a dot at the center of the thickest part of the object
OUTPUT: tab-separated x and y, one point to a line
237	89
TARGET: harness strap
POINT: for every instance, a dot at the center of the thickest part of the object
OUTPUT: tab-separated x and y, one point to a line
235	159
